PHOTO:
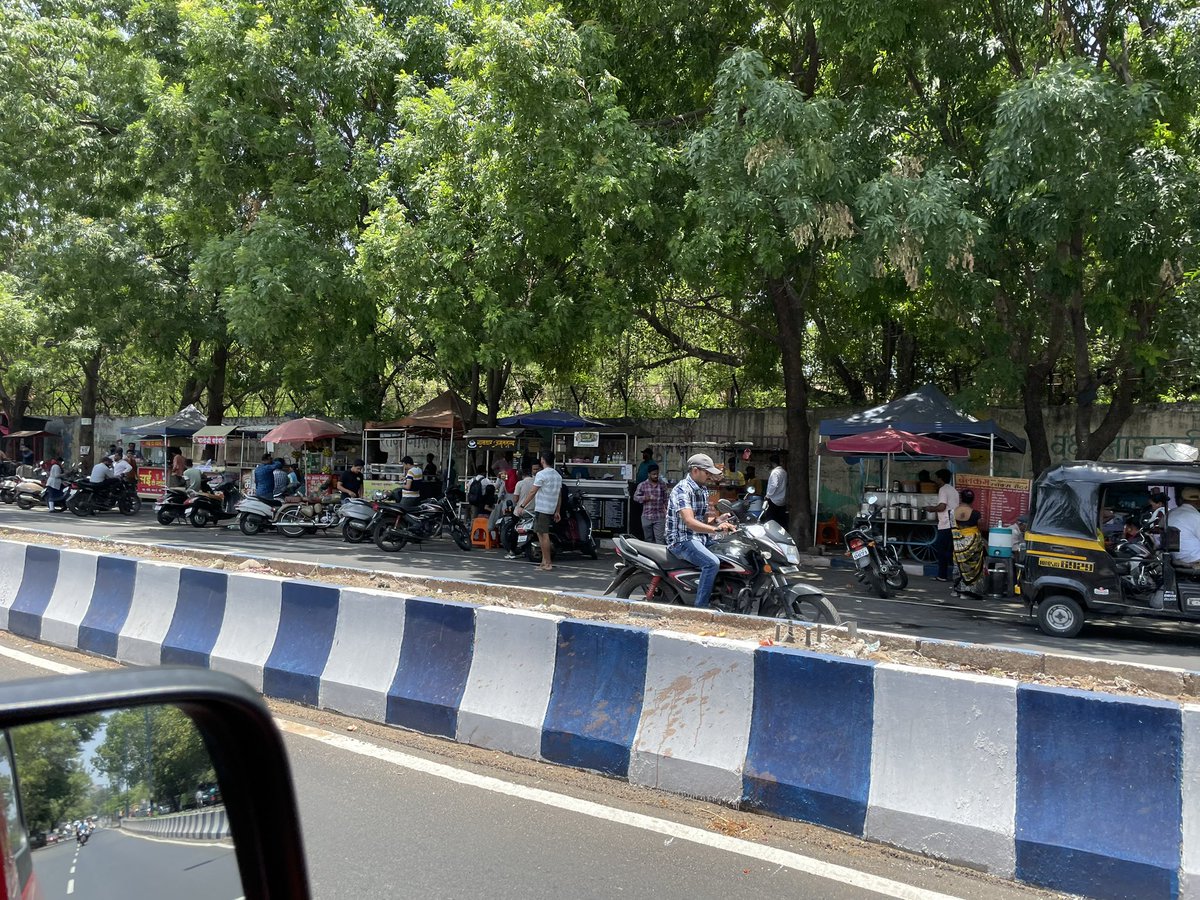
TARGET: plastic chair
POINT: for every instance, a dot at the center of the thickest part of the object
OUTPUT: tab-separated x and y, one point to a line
482	536
829	534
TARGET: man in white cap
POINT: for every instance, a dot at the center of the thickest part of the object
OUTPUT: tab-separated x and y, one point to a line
688	528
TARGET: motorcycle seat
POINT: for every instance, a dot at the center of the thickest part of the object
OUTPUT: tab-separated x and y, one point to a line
270	501
659	554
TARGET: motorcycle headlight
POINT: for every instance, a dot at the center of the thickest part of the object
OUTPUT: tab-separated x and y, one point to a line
792	554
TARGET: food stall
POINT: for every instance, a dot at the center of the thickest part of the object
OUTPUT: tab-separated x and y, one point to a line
301	441
431	428
230	450
597	464
155	440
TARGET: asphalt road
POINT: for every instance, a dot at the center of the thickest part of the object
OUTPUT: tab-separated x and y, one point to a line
403	815
115	864
926	609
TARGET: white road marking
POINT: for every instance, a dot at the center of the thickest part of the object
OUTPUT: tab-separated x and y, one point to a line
766	854
72	872
71	886
772	855
162	840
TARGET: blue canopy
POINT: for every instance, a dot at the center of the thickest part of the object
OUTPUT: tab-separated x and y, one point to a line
184	423
928	411
550	418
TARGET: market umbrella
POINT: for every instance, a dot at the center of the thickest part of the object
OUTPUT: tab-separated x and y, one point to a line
891	442
302	431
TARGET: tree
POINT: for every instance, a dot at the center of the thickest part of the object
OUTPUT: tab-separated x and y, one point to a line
158	747
49	765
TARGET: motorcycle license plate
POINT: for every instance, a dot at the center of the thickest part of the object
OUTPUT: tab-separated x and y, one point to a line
788	570
521	539
859	553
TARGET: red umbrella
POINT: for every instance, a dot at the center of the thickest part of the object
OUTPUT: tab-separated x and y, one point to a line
301	431
893	442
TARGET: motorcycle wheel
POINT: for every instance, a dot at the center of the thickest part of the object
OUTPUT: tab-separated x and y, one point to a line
873	578
636	585
250	525
130	506
287	525
198	518
24	503
807	609
80	506
898	580
592	551
460	536
388	540
353	533
533	548
165	517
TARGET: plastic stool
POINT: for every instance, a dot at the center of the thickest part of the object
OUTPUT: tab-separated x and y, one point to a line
482	536
828	533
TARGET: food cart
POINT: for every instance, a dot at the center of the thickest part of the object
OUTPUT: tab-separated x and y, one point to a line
313	445
231	450
597	464
432	428
155	441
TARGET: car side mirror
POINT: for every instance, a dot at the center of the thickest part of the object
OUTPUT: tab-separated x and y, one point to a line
184	753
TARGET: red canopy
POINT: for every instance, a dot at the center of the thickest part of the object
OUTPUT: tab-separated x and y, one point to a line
893	442
301	431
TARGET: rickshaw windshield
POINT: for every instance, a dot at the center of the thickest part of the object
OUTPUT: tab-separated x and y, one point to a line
1066	509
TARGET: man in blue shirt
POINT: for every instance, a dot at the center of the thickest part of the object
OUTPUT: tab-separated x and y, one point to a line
687	525
264	476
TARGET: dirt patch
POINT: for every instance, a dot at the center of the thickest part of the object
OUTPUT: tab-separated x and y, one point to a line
1029	667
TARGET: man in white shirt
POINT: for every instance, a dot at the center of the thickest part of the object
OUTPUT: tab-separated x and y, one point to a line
121	468
776	506
546	496
519	495
1186	518
943	544
100	472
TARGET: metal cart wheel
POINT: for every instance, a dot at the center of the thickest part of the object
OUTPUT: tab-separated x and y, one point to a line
920	544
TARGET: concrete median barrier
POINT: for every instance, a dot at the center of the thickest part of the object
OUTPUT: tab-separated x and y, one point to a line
201	825
1074	791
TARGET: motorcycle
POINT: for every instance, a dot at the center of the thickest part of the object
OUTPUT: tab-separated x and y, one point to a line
86	498
172	506
398	525
297	519
257	514
214	505
876	562
756	562
571	533
8	488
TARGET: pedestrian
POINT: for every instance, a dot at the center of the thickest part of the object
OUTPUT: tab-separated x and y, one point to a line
264	477
350	483
546	497
54	485
775	509
689	526
968	545
178	464
635	508
652	495
279	478
943	544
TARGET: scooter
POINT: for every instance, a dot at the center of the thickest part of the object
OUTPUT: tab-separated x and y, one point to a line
172	505
876	562
359	517
30	492
8	488
755	577
212	506
571	533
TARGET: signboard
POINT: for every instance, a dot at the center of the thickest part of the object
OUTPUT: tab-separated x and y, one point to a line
150	482
151	442
492	443
216	439
587	439
999	500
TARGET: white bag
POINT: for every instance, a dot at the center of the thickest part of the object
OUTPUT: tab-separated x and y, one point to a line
1174	452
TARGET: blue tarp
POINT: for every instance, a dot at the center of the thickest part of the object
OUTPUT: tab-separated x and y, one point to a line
928	411
549	418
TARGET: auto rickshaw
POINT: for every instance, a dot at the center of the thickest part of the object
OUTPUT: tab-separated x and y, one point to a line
1071	572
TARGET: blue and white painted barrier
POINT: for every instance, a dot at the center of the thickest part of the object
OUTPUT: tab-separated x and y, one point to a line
1080	792
201	825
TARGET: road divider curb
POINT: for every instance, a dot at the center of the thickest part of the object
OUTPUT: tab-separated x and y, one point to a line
1070	790
201	825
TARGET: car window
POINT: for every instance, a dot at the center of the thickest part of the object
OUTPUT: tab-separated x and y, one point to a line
12	815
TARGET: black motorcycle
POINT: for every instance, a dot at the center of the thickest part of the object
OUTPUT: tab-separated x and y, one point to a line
213	505
398	524
88	498
876	562
757	561
572	533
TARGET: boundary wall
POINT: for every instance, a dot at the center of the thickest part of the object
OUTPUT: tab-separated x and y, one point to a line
1076	791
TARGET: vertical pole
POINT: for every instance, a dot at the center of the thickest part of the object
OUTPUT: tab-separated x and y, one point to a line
887	492
817	500
991	454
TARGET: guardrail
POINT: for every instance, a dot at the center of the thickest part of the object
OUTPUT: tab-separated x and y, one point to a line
200	825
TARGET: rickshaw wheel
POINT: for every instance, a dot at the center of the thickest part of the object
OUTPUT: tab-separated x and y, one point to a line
1060	616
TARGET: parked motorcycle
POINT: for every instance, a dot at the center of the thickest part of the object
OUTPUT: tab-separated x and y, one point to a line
298	519
876	562
8	488
398	525
757	561
571	533
87	498
172	506
213	505
359	518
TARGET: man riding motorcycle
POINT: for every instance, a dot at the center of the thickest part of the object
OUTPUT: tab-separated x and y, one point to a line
689	523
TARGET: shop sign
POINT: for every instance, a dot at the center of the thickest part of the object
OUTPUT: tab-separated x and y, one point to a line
587	439
215	439
492	443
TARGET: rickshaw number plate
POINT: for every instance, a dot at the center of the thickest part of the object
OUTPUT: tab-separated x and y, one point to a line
1069	565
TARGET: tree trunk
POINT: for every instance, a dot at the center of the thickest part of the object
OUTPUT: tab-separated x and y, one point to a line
1033	395
87	408
216	383
497	380
193	387
788	302
20	406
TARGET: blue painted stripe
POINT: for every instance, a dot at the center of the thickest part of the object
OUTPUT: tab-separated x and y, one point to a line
435	660
809	755
197	619
1099	780
37	587
307	619
109	607
596	696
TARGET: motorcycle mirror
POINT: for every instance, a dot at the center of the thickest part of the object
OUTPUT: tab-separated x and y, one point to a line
724	506
751	490
873	499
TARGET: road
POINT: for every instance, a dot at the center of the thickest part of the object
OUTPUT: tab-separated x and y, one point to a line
387	813
926	609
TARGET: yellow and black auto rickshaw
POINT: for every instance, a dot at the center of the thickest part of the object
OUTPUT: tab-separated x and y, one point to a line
1096	545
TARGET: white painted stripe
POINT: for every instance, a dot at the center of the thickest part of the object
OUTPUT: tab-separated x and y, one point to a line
47	664
72	872
71	886
766	854
157	840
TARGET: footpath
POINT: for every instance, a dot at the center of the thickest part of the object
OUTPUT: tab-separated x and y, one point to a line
1082	791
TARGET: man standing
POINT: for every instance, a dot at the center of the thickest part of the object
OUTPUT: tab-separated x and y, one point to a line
635	510
776	507
652	495
351	482
943	544
54	484
546	496
687	528
264	476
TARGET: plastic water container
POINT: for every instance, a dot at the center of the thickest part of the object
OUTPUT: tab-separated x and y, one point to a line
1000	542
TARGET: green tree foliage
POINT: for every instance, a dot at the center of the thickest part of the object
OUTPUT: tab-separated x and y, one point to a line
50	770
158	748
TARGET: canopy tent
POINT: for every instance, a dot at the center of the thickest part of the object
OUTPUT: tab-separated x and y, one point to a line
445	412
929	411
550	418
212	434
184	423
302	431
885	443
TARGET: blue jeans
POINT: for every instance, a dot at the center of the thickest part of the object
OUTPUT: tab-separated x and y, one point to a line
700	556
